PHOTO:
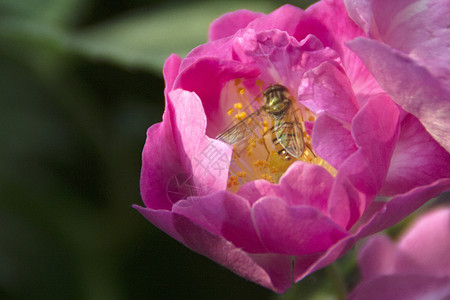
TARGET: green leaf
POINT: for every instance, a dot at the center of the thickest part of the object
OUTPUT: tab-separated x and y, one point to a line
60	12
145	39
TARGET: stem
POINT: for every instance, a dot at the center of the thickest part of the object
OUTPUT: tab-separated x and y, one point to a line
337	281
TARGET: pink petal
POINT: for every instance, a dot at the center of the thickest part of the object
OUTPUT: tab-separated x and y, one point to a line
227	24
375	130
278	56
207	77
332	141
326	88
170	71
378	216
294	230
157	173
285	18
417	160
360	11
377	257
206	159
223	214
410	85
426	245
329	21
269	270
302	184
403	287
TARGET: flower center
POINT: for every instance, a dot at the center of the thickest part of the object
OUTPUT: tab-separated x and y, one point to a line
267	133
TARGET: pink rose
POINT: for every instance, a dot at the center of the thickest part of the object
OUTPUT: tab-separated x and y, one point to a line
406	48
256	211
416	267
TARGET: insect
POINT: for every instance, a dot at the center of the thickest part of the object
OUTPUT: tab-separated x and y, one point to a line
287	133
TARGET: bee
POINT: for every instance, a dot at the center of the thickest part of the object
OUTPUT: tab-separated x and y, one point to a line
287	133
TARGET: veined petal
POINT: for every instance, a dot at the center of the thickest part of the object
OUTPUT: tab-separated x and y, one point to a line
302	184
269	270
326	88
417	159
206	159
294	230
224	214
332	141
375	130
410	85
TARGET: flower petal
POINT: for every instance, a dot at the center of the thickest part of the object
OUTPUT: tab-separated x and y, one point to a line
278	56
223	214
403	287
269	270
227	24
207	77
326	88
206	159
410	85
377	257
417	160
375	130
332	141
302	184
378	216
425	246
294	230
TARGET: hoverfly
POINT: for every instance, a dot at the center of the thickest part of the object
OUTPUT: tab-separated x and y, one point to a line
287	133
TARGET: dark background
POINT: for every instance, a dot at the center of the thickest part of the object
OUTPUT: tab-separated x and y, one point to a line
80	82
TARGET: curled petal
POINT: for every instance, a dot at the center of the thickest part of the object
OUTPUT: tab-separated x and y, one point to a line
224	214
269	270
229	23
332	141
292	187
410	85
377	217
417	159
327	88
206	159
294	230
375	130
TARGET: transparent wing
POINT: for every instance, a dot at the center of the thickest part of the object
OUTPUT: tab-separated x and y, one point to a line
289	133
243	130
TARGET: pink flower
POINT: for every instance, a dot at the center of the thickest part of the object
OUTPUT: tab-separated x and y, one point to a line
406	49
416	267
254	211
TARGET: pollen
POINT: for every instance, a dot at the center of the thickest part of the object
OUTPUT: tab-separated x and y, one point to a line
241	174
241	116
232	181
238	105
268	178
230	111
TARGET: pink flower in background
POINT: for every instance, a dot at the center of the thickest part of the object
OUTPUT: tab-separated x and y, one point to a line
407	50
251	210
416	267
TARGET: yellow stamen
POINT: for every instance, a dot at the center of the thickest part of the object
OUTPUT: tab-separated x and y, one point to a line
238	105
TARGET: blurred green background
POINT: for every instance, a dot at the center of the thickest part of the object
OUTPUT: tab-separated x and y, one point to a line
80	82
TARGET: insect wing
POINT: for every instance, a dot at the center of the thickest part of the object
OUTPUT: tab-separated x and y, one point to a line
290	134
243	130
